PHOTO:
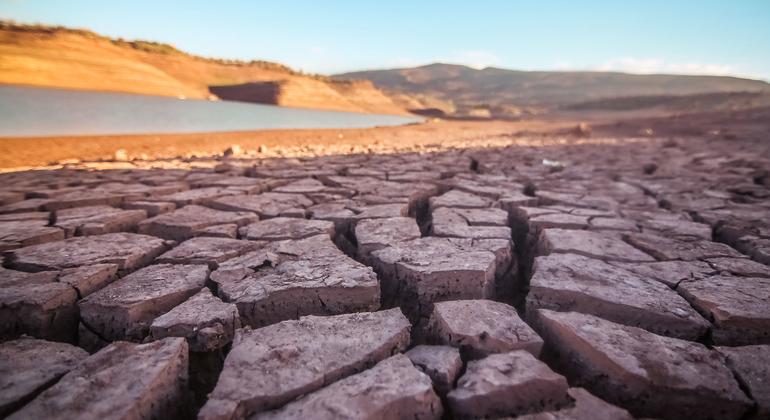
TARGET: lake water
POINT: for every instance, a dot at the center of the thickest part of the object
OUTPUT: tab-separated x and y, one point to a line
27	111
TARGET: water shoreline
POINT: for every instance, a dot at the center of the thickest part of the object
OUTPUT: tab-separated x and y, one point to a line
37	112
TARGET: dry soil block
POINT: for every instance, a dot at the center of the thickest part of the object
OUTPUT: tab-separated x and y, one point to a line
507	384
738	306
266	205
441	363
459	199
195	196
649	374
470	223
125	309
190	220
751	365
88	279
270	366
481	327
209	251
205	321
19	233
417	273
152	208
740	267
569	282
666	249
122	381
584	407
97	220
374	234
294	278
38	307
283	228
589	244
559	221
29	366
393	388
128	251
670	273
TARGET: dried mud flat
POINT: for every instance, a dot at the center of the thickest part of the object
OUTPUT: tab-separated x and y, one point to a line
612	279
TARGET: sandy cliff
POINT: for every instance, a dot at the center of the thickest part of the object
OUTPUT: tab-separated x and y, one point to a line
76	59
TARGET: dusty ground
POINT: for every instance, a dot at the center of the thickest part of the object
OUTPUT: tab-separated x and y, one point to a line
25	153
618	275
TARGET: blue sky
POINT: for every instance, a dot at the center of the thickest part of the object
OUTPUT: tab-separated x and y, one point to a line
644	36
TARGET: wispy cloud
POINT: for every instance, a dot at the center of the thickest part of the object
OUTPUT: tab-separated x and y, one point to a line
657	65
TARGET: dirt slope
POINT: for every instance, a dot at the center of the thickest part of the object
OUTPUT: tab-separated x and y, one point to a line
77	59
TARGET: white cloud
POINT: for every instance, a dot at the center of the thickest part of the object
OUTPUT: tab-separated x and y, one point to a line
657	65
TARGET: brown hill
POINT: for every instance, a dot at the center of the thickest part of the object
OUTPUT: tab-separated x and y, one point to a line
79	59
700	102
501	92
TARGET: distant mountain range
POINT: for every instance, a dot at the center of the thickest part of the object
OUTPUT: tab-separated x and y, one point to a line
504	92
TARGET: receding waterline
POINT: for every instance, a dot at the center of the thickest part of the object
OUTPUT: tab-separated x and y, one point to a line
30	112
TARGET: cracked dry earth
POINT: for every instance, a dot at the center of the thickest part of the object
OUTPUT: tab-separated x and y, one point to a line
573	282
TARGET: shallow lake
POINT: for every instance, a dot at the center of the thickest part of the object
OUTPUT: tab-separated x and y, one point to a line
28	111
